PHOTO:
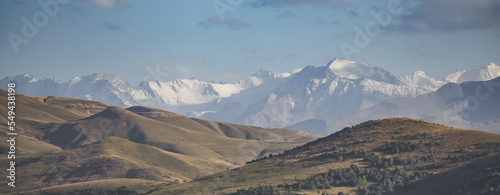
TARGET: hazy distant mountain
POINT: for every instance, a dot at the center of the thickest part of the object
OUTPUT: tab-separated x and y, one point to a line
325	92
421	79
264	99
101	87
471	105
316	95
479	73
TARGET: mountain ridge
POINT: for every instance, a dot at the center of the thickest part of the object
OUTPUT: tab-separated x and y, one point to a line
339	88
470	105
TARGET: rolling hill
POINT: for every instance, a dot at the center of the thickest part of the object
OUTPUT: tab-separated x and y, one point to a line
71	146
65	141
396	155
386	156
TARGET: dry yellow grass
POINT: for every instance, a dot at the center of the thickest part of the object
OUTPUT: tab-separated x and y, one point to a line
138	142
304	161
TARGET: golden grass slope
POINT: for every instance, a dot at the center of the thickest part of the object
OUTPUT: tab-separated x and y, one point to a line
111	158
67	141
140	186
32	111
200	142
313	158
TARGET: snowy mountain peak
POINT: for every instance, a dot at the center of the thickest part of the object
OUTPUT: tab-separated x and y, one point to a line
359	70
34	79
338	63
350	69
453	77
493	66
30	78
103	76
420	73
74	81
418	78
263	73
110	79
29	75
479	73
494	70
337	59
421	79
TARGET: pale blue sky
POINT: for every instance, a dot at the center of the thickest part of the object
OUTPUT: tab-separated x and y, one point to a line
187	38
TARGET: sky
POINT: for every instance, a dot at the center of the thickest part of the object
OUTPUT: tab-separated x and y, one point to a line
228	40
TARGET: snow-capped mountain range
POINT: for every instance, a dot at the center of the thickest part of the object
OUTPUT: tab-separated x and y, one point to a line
469	105
266	99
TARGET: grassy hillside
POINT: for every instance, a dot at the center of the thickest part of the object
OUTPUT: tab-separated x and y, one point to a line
387	156
186	166
171	132
111	158
375	156
109	186
65	141
33	111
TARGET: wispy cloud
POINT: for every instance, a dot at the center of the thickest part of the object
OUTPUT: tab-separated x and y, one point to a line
109	3
112	26
232	23
447	16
